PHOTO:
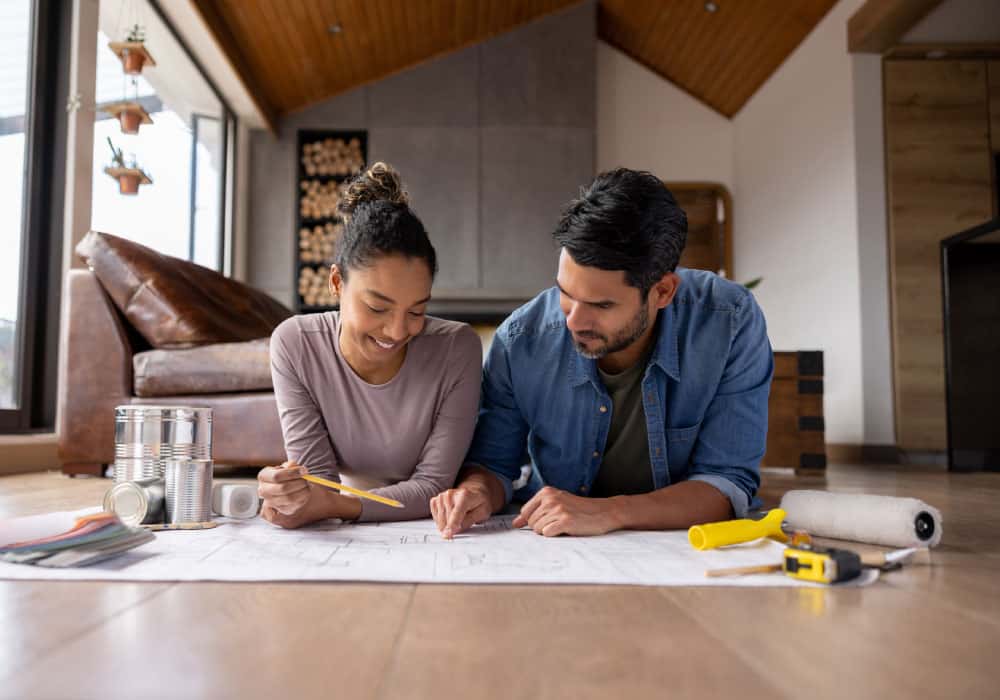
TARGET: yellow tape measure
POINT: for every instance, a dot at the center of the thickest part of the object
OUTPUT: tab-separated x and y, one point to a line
821	564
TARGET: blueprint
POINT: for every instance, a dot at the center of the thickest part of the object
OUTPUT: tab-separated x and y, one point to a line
413	552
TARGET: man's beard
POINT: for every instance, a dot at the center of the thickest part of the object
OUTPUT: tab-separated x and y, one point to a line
621	340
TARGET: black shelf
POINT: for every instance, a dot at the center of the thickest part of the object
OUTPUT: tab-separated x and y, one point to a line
307	136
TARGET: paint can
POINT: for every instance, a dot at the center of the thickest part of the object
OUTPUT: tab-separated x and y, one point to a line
137	502
188	490
147	436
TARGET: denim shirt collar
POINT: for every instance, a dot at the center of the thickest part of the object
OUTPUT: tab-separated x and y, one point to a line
665	355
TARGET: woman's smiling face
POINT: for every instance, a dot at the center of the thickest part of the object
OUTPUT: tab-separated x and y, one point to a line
382	307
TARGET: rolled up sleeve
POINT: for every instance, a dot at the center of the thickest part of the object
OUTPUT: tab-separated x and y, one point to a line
733	434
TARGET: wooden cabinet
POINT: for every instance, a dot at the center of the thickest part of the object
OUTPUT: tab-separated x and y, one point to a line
709	209
938	172
795	423
993	75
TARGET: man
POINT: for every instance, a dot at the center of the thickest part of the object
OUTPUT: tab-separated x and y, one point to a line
639	391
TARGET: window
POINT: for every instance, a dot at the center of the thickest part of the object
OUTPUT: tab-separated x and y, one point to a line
15	54
33	75
183	151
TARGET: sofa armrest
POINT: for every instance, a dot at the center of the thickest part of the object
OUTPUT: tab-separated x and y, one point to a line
95	371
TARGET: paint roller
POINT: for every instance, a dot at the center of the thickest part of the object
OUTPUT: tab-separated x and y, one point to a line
884	520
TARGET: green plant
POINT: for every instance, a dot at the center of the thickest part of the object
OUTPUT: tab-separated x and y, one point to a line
753	283
136	34
117	159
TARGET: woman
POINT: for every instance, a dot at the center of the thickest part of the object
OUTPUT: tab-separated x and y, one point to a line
378	395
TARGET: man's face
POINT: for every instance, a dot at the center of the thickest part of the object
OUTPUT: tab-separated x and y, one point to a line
603	312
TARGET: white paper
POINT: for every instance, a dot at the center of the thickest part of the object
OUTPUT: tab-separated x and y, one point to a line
413	552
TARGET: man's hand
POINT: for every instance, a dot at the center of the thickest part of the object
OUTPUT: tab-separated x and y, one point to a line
456	510
478	495
552	512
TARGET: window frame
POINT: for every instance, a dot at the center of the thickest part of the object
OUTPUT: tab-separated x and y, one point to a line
229	123
40	214
40	284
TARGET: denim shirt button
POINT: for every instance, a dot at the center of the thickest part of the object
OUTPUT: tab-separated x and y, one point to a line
603	409
596	453
583	489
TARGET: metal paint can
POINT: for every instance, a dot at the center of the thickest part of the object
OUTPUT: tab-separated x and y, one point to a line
137	502
147	436
188	490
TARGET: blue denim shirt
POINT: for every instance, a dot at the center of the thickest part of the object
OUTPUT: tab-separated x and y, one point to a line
705	391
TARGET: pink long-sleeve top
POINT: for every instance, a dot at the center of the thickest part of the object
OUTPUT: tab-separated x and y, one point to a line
404	439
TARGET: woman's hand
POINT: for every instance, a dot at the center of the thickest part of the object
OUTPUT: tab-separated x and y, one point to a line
290	501
283	489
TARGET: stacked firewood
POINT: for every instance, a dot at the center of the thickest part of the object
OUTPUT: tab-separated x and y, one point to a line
314	287
319	200
316	243
332	157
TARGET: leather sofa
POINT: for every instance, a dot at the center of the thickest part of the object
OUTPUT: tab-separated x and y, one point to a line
105	361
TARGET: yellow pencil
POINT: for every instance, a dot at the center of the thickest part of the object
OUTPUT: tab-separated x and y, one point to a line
744	570
356	492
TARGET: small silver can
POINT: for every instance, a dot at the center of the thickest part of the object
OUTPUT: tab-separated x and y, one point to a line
138	502
188	490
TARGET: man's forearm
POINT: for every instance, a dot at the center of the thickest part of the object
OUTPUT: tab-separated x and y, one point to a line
482	478
673	508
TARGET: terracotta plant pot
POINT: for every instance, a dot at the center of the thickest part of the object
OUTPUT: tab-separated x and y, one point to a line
133	61
128	183
130	122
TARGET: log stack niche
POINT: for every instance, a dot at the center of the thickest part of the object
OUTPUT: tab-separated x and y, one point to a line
327	161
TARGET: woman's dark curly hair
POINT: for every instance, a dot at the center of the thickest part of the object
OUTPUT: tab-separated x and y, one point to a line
378	221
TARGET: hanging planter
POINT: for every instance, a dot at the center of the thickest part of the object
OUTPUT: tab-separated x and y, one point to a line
129	179
131	115
132	52
129	176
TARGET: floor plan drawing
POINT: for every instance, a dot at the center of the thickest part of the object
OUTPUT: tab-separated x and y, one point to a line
414	552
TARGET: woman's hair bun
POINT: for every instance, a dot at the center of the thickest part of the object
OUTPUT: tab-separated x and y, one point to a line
380	182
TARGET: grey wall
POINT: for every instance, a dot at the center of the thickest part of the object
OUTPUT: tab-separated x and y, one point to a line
491	141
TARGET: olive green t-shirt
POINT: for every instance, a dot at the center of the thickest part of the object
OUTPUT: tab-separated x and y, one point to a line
625	468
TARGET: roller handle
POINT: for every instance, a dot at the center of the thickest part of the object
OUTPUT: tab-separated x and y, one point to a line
712	535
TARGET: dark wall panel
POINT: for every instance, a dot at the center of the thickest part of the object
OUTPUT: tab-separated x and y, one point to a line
543	74
545	167
441	170
438	93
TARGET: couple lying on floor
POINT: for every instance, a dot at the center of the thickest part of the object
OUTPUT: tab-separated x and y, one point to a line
637	391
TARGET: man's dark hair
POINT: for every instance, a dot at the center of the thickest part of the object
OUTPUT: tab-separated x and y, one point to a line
625	220
378	221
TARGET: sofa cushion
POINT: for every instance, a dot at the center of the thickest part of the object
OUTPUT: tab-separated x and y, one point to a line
174	303
222	368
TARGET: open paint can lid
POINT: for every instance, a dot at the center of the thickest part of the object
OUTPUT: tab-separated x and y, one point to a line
136	502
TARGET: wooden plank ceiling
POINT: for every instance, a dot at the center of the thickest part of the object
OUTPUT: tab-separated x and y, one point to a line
290	54
721	57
